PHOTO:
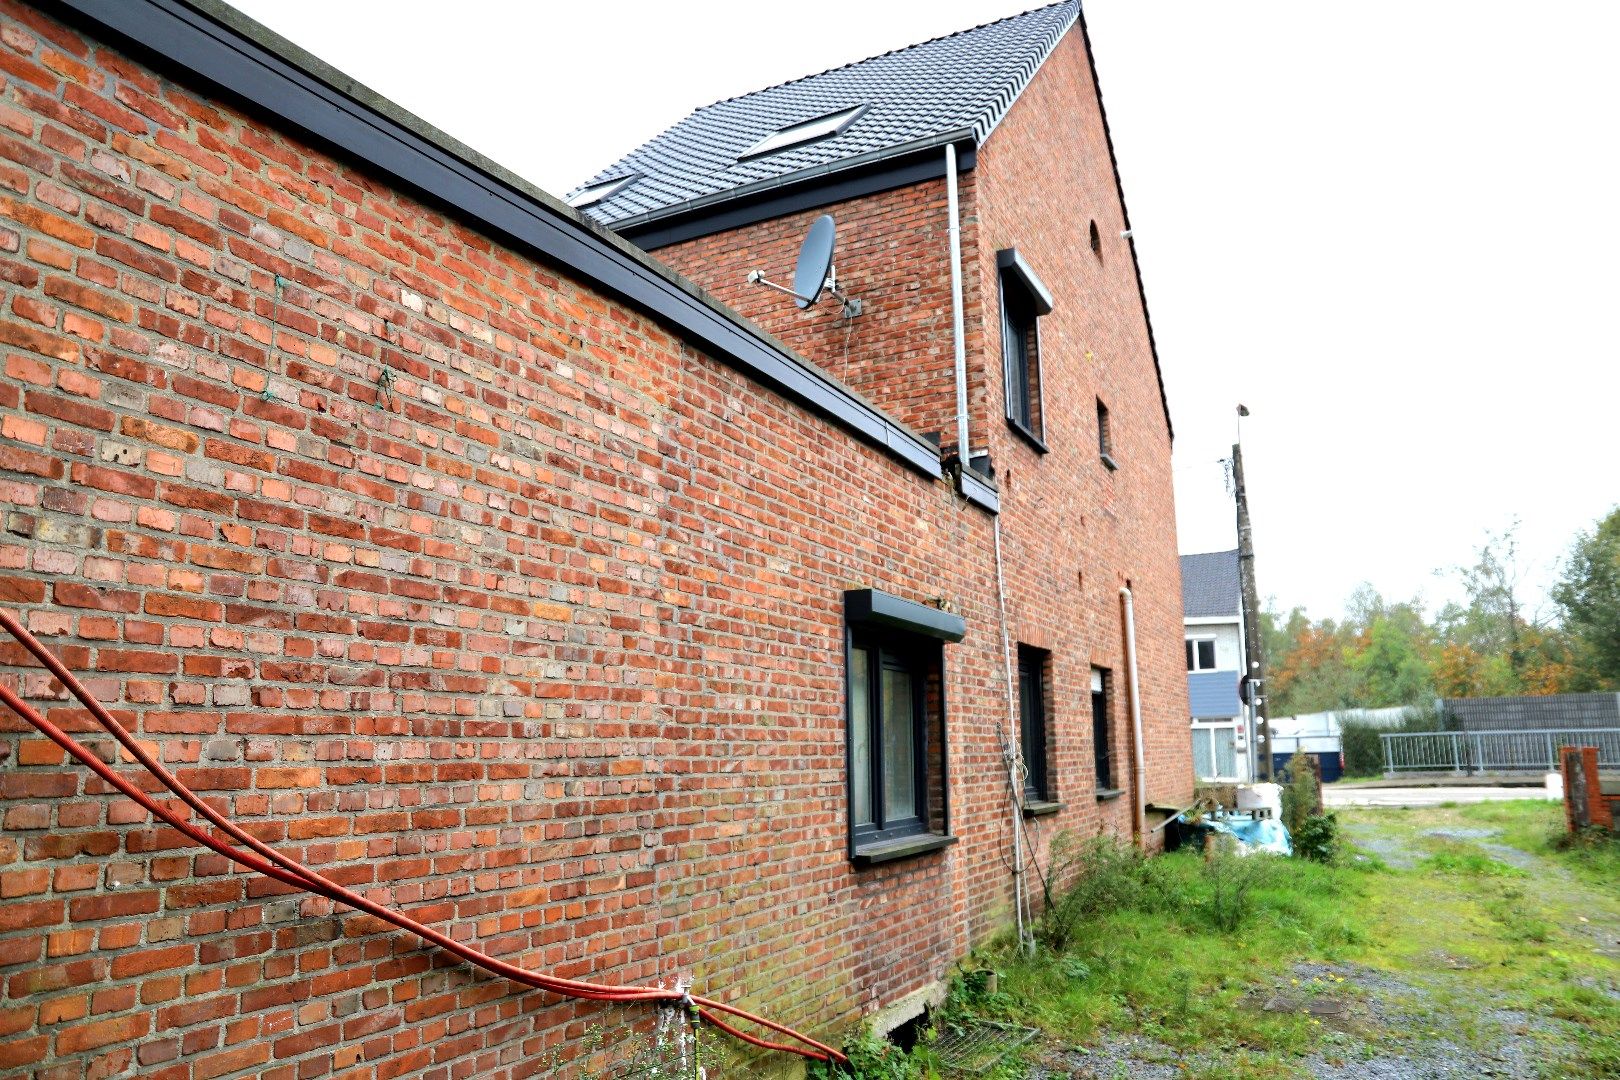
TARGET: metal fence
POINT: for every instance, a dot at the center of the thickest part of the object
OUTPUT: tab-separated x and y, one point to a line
1469	752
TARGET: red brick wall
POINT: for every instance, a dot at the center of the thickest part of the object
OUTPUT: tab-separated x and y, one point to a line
891	255
544	644
1074	532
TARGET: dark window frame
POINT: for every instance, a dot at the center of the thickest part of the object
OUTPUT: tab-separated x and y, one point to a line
1102	731
1105	436
908	636
1034	721
1021	363
1024	299
913	661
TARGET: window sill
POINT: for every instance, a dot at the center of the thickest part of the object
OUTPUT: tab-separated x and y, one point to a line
1109	794
1109	462
1028	436
1042	807
903	848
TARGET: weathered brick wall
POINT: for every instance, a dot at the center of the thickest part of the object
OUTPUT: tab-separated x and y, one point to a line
891	255
539	637
1074	532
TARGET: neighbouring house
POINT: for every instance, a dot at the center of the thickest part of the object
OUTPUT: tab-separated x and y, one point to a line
600	607
1212	607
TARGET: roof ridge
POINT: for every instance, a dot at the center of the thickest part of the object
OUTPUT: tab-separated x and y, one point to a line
1221	551
881	55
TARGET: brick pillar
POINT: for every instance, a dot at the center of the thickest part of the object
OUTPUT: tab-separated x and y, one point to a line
1584	803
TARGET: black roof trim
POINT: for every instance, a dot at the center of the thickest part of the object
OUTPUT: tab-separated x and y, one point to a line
873	607
208	42
780	200
1009	262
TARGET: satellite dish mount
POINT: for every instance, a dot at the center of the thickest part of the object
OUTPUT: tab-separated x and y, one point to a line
814	273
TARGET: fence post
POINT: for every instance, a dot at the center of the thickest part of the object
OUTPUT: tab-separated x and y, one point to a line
1389	756
1552	755
1456	754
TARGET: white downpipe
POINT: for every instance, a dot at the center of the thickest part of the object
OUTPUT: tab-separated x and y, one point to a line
958	335
1140	756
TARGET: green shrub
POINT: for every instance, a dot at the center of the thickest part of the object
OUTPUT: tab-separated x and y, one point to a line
1094	876
1232	880
1364	750
872	1058
1317	838
1301	794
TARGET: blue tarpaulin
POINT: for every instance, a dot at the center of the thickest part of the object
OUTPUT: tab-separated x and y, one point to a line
1251	833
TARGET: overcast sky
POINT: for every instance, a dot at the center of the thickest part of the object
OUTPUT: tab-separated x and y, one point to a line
1389	227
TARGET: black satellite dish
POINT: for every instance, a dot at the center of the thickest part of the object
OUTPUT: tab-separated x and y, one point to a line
815	261
814	274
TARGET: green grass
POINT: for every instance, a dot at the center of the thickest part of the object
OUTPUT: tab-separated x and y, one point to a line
1182	952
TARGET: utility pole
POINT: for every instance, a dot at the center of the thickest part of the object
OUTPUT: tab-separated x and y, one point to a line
1255	647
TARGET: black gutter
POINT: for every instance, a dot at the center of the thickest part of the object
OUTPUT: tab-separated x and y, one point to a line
1119	188
781	201
811	194
203	41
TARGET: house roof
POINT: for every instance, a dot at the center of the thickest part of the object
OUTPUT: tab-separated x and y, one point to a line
950	89
1550	712
1209	585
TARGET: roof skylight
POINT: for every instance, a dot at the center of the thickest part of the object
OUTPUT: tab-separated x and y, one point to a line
595	193
822	127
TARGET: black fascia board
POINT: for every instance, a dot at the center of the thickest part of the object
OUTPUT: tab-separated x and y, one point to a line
978	491
1008	261
812	194
208	42
872	607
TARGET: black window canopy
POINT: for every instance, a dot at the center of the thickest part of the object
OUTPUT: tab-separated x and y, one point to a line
1012	265
870	607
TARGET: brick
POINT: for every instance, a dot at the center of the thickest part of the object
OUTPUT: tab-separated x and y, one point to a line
90	1036
137	427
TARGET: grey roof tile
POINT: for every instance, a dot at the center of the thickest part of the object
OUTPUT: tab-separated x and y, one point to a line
962	82
1209	585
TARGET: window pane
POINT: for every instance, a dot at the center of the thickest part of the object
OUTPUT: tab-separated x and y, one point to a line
899	755
1203	756
1225	751
860	734
1206	655
1190	666
1032	722
1099	737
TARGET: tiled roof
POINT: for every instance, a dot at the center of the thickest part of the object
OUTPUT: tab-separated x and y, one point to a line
1209	585
1551	712
945	89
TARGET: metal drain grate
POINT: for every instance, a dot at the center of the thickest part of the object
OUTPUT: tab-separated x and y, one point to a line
979	1046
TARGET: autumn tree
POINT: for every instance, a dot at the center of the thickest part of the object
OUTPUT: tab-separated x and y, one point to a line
1588	595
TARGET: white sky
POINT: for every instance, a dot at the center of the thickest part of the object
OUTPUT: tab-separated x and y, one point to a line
1389	227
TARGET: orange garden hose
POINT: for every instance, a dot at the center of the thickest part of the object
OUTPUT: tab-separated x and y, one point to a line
264	859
